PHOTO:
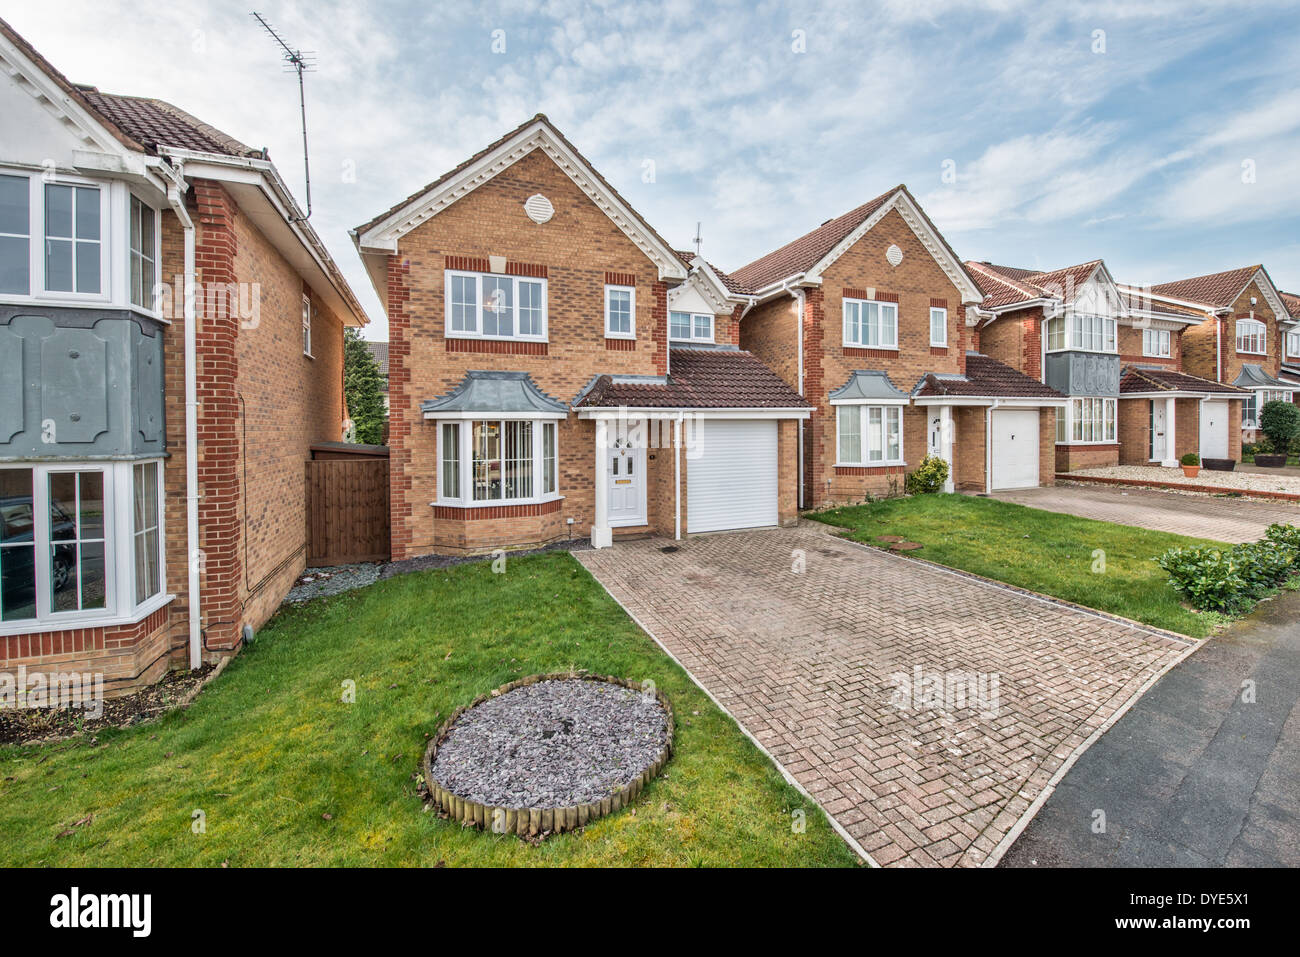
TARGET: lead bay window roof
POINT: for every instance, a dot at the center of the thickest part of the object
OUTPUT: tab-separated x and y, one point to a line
489	393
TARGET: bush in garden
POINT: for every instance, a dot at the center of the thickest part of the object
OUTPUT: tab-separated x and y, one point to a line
1285	535
1264	564
1280	423
929	476
1210	578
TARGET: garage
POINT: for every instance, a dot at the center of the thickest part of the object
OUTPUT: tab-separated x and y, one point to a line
1014	448
1214	429
733	481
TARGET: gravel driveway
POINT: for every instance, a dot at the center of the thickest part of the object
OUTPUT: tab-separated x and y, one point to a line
924	709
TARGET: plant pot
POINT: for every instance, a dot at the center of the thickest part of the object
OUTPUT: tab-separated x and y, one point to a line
1270	461
1191	471
1219	465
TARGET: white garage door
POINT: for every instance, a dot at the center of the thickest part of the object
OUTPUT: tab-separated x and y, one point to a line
733	484
1015	448
1214	430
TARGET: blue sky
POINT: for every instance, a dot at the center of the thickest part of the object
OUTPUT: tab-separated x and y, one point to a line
1060	144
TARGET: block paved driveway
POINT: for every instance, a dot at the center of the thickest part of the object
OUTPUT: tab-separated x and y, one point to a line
1201	516
805	662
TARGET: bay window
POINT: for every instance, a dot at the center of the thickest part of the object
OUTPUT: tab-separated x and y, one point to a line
1156	342
690	326
869	435
1087	421
497	461
870	324
15	234
1253	403
1083	333
1252	336
620	312
489	306
79	543
72	238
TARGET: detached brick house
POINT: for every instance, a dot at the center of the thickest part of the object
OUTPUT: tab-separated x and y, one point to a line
1242	338
556	369
152	490
1117	355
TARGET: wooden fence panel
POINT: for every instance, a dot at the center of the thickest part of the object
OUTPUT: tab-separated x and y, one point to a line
347	511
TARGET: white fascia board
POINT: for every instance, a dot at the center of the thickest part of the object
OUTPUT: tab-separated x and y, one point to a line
898	401
1270	295
1172	394
1002	401
710	413
536	135
1146	319
1190	304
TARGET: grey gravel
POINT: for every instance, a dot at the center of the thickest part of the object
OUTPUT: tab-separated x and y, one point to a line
556	743
316	582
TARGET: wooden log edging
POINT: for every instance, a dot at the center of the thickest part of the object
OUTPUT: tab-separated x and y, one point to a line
534	822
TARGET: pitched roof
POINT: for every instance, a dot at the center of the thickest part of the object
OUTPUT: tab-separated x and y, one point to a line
866	384
732	284
700	379
1136	299
1253	376
380	352
1218	290
803	253
1007	285
154	123
1292	303
985	376
1146	379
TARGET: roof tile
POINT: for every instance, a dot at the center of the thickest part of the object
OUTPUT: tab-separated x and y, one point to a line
700	379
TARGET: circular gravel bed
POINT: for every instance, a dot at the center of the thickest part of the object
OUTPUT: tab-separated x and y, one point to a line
548	753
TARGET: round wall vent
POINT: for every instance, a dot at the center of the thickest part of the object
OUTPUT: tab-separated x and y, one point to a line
894	255
538	208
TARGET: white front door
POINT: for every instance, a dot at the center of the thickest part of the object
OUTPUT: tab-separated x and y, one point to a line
1015	448
626	483
935	444
1214	430
1157	430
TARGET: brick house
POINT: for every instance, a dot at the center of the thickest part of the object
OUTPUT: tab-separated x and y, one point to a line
1290	369
556	369
151	447
1116	354
1241	339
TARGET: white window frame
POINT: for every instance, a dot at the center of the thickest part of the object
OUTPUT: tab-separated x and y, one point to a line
1254	330
1071	420
120	606
611	288
863	411
36	279
692	320
477	331
465	453
306	326
847	304
1293	345
30	239
150	305
1163	343
939	312
1250	405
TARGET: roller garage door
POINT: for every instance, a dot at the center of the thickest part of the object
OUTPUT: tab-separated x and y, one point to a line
733	483
1015	448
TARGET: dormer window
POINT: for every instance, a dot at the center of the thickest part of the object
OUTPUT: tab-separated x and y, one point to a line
690	326
489	306
1252	337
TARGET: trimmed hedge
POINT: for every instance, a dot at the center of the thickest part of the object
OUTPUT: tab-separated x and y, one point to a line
1231	579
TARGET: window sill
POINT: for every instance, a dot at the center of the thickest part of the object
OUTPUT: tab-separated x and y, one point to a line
899	464
855	345
137	615
1082	444
621	335
499	503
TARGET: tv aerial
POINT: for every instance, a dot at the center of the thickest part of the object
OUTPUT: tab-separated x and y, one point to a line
299	62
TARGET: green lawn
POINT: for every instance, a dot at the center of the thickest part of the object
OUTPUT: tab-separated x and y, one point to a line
1043	551
268	750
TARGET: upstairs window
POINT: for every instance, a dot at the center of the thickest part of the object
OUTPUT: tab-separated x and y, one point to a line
15	234
870	324
1293	345
1081	333
1155	342
144	253
72	239
690	326
620	312
938	327
1252	336
488	306
306	326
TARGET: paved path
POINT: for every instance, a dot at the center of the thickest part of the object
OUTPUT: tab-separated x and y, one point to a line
1192	775
1201	516
808	663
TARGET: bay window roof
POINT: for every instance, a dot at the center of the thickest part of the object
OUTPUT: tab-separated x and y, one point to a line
494	393
1253	376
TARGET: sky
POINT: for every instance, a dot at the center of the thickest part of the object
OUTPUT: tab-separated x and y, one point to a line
1160	135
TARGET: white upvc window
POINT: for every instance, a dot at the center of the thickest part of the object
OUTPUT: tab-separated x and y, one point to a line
1056	334
54	237
1081	333
497	461
869	435
306	325
870	324
1293	345
1249	411
1156	343
74	249
1087	421
143	244
690	326
81	544
1253	404
491	306
938	326
15	235
620	312
1252	337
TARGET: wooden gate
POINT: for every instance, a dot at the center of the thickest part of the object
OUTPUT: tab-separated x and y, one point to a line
347	510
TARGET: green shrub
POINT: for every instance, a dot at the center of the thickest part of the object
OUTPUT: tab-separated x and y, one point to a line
1280	423
1264	564
1285	535
1191	458
1210	578
928	477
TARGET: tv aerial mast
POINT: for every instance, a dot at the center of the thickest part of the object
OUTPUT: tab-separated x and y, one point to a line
299	62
